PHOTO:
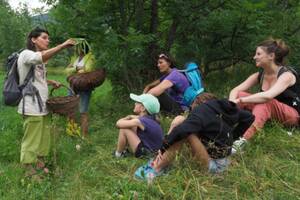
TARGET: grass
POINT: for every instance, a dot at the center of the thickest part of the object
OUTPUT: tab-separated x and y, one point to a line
268	169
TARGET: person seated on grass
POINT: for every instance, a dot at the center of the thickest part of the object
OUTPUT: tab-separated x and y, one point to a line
142	132
209	129
279	95
169	89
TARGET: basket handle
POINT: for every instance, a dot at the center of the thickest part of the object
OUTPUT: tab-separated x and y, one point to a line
62	85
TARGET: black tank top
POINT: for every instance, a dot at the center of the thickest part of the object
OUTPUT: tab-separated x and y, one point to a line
291	95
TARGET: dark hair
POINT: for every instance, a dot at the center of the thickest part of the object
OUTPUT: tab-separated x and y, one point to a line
276	46
34	34
201	98
167	58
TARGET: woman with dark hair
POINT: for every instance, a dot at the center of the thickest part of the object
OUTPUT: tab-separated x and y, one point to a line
36	140
278	97
83	61
169	89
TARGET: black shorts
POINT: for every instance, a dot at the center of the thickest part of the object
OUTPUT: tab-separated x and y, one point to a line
169	105
142	151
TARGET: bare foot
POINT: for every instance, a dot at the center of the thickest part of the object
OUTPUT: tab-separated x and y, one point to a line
30	171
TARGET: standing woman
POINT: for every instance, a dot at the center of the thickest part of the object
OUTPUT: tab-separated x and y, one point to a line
36	140
169	89
278	97
84	61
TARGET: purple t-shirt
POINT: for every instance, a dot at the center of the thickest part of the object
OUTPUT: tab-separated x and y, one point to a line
152	135
180	83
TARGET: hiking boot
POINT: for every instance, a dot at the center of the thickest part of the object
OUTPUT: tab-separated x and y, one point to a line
238	145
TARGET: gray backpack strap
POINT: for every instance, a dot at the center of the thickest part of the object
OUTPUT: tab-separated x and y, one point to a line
30	90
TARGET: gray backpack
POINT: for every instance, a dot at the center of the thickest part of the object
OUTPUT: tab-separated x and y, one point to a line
12	91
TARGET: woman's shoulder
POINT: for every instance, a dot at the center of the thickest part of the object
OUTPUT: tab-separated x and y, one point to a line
29	53
26	52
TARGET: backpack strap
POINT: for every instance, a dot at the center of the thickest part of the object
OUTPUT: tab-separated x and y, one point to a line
260	76
33	92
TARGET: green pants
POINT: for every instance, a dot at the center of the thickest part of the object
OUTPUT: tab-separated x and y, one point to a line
36	140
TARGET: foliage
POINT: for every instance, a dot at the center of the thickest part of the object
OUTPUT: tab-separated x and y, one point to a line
13	29
127	35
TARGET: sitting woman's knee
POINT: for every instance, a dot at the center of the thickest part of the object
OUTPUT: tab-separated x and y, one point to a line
243	94
177	120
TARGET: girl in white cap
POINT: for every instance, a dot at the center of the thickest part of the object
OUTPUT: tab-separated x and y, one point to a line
142	132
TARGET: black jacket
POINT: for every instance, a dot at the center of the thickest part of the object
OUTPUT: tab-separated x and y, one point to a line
217	123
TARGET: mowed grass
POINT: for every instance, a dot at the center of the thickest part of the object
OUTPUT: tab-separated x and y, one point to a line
268	169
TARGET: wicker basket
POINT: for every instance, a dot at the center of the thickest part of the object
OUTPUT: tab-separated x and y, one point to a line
87	81
63	105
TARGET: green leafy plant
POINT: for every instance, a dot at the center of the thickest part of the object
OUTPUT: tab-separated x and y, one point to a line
82	45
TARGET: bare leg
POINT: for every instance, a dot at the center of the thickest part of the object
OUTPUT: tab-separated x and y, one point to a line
198	150
163	160
176	121
127	136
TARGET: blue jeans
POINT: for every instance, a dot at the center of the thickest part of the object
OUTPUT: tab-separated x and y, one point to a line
84	100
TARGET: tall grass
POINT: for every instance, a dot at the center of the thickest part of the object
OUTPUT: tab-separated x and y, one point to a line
268	169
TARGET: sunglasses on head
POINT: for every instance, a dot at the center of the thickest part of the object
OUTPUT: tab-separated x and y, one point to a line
163	56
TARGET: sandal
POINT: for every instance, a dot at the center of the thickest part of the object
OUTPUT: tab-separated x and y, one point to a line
40	165
30	171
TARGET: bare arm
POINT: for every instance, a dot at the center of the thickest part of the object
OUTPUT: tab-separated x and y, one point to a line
47	54
160	88
151	85
244	86
284	81
54	83
127	122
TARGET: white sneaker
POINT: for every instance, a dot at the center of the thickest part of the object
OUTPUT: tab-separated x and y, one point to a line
238	145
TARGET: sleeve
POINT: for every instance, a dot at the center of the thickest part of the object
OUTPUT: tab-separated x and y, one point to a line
173	77
189	126
246	118
32	58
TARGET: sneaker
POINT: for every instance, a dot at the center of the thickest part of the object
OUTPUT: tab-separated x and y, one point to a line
147	173
123	154
238	145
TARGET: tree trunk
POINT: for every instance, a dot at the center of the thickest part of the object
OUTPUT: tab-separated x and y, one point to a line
153	48
139	14
123	25
172	34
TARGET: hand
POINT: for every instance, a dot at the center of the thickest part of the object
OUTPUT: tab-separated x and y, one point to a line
157	159
128	117
237	101
54	84
147	88
68	43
